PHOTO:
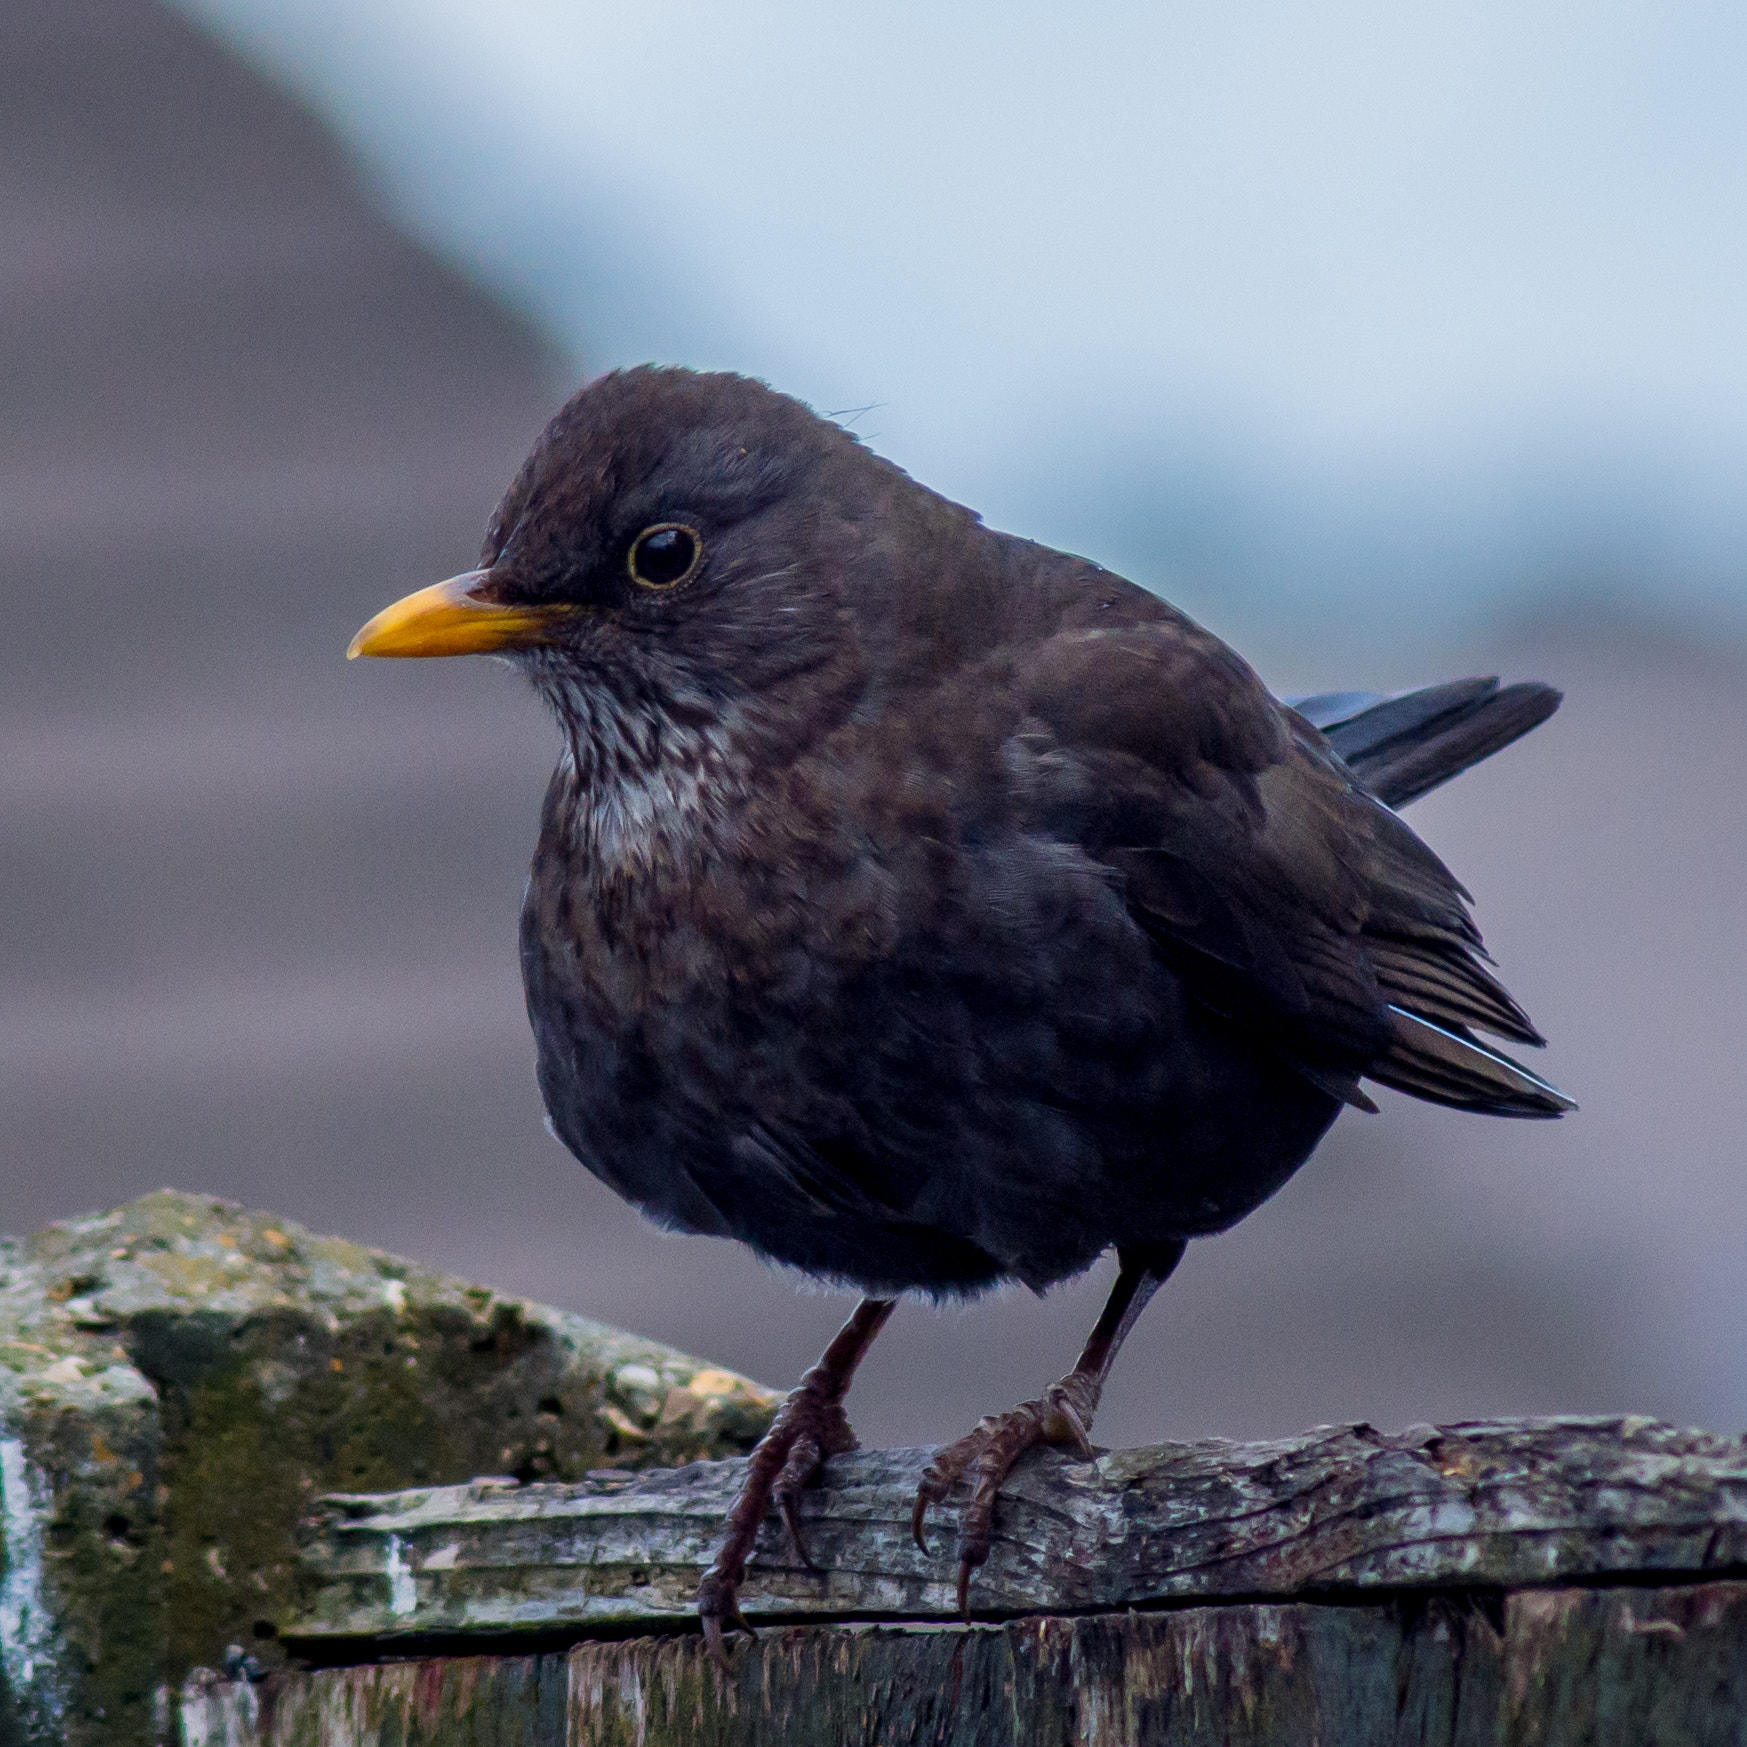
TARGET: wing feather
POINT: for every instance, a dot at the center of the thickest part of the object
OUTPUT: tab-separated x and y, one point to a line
1283	891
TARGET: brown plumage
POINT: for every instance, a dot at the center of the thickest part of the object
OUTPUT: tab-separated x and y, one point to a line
927	908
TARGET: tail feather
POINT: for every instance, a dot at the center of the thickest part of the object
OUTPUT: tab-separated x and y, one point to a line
1445	981
1449	1066
1430	967
1403	747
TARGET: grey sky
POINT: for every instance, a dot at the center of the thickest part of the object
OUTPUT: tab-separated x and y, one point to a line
1405	307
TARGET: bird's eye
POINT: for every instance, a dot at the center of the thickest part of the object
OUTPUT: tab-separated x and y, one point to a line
665	556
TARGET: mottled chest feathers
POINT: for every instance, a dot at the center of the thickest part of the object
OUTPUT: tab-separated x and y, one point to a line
640	783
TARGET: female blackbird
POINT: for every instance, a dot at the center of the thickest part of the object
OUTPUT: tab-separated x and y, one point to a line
927	908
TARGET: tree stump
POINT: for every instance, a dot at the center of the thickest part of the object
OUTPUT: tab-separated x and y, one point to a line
1550	1580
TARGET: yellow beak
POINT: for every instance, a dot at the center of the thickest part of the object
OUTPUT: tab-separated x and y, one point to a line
456	617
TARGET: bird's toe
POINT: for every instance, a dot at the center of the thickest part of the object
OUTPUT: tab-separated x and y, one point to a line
809	1427
805	1461
719	1613
987	1455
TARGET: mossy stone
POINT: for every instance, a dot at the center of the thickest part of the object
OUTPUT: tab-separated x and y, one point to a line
180	1379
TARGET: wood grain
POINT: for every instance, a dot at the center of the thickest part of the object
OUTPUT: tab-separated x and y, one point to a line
1609	1667
1487	1506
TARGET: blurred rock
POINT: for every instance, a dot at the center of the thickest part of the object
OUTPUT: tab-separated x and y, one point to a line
180	1378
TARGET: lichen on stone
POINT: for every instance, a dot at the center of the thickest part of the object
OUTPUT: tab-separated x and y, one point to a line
186	1377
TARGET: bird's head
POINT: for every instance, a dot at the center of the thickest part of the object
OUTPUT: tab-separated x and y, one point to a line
673	534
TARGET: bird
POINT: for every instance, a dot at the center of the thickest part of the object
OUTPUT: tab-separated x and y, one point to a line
931	910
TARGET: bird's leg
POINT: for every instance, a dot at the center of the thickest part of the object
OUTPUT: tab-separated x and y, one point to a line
808	1427
1061	1415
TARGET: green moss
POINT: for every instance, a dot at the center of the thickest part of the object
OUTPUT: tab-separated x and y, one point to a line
188	1377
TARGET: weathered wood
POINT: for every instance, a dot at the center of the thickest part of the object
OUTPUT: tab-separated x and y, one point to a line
1487	1506
1604	1667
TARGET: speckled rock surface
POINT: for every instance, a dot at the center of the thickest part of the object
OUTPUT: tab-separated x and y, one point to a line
180	1379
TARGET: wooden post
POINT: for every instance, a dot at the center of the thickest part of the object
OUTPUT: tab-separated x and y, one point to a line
1513	1581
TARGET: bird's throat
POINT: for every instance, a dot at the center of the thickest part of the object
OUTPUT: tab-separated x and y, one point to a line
640	787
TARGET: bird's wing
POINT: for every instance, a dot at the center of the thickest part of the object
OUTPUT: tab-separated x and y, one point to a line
1284	894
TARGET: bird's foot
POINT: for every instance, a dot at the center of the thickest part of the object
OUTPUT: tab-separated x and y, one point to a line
1061	1415
809	1427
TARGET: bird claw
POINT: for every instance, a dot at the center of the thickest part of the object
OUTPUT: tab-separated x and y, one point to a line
719	1604
919	1518
1063	1424
809	1426
967	1566
988	1453
805	1460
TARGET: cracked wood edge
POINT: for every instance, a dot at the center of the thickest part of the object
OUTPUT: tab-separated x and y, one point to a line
1494	1504
1622	1667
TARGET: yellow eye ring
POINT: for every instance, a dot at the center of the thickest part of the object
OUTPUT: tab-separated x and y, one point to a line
665	555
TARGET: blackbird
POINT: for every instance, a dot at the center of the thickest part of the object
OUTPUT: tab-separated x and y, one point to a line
929	909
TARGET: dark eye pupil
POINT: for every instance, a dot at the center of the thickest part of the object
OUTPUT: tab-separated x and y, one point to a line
662	556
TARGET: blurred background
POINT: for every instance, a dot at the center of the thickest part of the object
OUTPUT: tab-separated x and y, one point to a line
1394	343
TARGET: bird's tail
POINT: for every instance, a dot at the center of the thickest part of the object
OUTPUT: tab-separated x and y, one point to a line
1399	748
1450	1065
1402	747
